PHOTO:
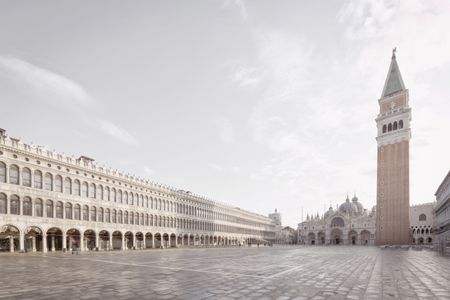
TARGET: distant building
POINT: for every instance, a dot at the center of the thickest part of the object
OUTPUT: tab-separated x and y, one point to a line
422	219
276	217
442	216
349	224
286	236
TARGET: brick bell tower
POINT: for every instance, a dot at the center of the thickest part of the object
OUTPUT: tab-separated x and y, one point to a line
394	133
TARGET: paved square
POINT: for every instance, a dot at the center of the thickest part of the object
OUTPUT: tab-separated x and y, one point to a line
229	273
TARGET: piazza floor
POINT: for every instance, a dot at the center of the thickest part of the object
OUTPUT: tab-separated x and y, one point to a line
338	272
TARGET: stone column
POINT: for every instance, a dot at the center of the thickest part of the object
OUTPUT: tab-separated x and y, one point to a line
11	244
97	241
110	242
64	241
176	242
53	243
124	244
44	242
21	242
153	241
81	243
33	243
134	241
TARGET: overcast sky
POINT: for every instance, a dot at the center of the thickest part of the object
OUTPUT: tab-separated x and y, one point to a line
260	104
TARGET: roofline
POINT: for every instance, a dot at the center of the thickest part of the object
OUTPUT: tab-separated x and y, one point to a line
442	183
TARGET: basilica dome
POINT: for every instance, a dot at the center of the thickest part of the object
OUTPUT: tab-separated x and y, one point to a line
348	207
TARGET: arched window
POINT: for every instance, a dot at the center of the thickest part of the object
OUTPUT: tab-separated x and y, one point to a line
2	172
384	128
100	214
395	126
131	218
107	216
114	216
107	193
113	195
68	186
14	174
146	202
38	179
136	216
76	187
26	177
142	219
38	208
400	124
49	208
3	203
92	190
119	196
27	206
85	213
125	197
422	217
15	205
48	181
142	200
119	217
131	199
146	219
337	222
100	192
58	184
59	210
93	213
125	217
69	211
77	212
84	189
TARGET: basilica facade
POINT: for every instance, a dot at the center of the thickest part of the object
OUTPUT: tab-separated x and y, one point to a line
50	202
349	224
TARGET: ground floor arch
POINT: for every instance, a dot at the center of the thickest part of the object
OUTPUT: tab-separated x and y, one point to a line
336	236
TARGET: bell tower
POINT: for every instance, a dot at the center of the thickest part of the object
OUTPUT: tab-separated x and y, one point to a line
394	133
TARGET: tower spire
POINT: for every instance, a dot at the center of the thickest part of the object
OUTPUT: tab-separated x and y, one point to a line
394	82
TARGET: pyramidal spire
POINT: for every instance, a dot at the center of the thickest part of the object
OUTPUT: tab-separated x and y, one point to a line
394	82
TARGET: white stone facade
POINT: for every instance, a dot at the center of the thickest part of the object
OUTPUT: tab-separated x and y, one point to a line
442	216
349	224
422	220
49	202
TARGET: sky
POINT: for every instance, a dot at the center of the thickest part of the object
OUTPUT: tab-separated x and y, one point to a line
259	104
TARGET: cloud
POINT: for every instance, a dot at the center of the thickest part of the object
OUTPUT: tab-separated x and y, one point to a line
247	76
224	169
225	130
45	80
117	132
239	5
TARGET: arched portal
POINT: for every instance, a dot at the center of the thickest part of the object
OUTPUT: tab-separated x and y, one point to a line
149	240
166	240
311	238
103	238
33	239
117	241
173	240
186	240
139	240
336	236
321	238
352	237
158	240
196	240
73	241
191	240
9	238
90	239
128	240
180	240
54	239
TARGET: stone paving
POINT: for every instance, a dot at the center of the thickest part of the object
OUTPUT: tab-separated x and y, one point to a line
229	273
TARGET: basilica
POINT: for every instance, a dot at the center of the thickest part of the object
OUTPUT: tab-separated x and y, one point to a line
350	223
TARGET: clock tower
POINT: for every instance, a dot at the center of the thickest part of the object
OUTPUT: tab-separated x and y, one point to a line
394	133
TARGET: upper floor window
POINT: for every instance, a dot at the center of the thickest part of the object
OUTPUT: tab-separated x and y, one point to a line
26	177
422	217
49	208
38	179
2	172
3	204
68	186
84	189
58	184
38	207
48	182
400	124
76	187
27	207
14	174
